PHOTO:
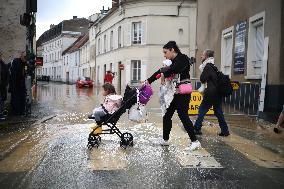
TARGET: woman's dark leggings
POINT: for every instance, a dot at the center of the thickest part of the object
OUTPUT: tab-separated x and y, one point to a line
181	104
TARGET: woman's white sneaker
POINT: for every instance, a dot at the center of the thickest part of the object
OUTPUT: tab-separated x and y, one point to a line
194	145
164	142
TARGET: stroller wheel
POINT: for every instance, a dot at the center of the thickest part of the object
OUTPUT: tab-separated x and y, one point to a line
94	141
126	140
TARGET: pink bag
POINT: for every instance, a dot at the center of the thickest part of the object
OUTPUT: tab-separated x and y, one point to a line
145	94
185	88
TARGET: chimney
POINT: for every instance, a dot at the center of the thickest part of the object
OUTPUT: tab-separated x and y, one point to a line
74	17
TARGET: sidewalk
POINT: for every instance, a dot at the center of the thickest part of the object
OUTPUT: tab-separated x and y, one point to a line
259	131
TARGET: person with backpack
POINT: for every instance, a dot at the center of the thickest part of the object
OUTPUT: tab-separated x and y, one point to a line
180	67
212	96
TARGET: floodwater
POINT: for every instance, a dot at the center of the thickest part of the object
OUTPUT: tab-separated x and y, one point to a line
53	153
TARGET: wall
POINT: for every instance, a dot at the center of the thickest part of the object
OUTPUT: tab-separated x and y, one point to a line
215	16
13	35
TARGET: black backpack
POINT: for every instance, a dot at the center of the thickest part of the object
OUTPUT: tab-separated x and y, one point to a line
224	86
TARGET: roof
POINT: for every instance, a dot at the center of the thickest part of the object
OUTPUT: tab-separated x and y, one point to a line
77	44
74	25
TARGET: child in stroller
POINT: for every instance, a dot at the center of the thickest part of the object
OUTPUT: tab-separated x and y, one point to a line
111	103
110	119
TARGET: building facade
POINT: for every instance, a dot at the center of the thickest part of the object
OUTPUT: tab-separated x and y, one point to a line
71	61
247	37
132	34
84	66
57	39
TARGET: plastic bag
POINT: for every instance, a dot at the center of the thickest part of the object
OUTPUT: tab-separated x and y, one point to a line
137	113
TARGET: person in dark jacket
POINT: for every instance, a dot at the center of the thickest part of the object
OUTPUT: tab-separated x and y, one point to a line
211	97
17	85
4	75
180	65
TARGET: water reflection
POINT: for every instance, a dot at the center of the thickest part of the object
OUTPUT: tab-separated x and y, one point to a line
68	97
85	91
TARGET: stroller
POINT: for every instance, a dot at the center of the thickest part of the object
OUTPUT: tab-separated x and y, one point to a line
110	120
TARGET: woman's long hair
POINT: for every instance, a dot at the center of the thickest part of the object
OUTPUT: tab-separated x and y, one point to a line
172	45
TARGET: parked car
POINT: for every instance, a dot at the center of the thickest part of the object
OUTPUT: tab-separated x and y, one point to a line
84	82
42	78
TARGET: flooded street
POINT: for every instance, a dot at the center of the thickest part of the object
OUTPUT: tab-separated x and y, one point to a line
52	152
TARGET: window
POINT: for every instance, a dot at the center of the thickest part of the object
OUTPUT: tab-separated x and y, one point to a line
99	46
119	36
258	46
111	40
226	50
136	33
255	46
105	43
135	71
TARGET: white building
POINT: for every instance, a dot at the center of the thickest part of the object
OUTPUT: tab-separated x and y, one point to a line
133	34
52	55
84	66
57	39
71	61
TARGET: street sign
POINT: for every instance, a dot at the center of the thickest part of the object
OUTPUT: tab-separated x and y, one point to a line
195	101
121	66
39	61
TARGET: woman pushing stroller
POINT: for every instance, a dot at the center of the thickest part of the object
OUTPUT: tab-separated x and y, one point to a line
180	67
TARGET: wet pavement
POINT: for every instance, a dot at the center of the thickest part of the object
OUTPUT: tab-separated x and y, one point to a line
52	151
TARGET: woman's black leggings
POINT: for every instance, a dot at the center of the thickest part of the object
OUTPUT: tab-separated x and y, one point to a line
181	104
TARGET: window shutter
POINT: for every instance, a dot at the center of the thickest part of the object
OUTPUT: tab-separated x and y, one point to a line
128	35
144	33
122	33
143	70
127	72
259	43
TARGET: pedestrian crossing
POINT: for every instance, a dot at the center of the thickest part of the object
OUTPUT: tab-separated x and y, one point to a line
110	156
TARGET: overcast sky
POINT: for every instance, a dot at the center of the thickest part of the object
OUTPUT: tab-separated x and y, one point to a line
54	11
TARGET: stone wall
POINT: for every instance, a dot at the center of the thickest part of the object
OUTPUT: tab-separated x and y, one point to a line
12	34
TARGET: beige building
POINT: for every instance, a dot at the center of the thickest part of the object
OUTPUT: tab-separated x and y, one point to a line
247	37
133	33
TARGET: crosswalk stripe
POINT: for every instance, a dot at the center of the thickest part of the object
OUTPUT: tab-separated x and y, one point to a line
196	159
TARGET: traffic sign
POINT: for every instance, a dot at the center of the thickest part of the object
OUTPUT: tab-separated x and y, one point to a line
121	66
